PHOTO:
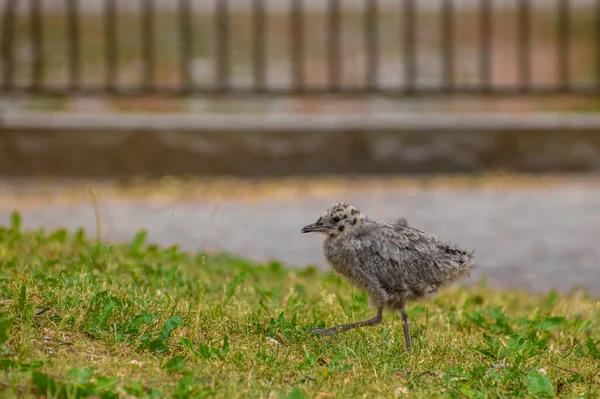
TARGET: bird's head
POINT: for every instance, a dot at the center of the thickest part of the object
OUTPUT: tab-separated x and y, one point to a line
340	218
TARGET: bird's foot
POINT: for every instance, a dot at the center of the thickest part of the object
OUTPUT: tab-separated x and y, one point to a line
323	331
345	327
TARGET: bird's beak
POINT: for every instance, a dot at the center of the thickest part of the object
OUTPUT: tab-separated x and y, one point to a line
313	228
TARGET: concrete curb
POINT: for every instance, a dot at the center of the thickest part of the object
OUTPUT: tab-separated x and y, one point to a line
425	122
100	145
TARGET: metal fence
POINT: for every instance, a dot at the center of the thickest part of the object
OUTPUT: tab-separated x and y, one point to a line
28	25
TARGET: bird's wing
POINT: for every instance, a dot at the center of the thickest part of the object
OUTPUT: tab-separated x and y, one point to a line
392	241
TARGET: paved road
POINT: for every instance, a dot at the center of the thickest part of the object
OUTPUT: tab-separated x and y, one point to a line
534	238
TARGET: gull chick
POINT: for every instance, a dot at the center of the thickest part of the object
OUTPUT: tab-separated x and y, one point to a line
393	262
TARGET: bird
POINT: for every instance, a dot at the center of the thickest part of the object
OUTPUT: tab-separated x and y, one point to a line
393	262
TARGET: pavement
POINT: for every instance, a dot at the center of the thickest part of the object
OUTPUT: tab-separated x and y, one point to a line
530	236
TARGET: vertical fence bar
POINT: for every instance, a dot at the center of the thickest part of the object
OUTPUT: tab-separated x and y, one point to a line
485	60
297	45
334	45
597	38
147	32
564	19
185	36
110	28
222	43
371	44
409	43
8	37
259	39
447	32
37	39
74	45
524	19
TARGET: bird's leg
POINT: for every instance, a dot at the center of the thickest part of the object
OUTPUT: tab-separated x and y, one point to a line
345	327
406	327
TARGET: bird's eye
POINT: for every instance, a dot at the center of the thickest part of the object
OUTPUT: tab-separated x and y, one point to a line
336	219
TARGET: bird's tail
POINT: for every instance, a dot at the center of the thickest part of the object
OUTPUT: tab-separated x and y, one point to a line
462	261
467	263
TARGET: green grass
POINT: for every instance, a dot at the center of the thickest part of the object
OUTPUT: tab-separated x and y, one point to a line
80	318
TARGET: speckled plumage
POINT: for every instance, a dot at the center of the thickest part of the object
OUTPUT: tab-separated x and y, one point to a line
392	261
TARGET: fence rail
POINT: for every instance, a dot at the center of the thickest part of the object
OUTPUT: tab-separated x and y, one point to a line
390	48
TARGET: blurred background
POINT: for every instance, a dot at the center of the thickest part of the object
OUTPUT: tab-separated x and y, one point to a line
227	125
